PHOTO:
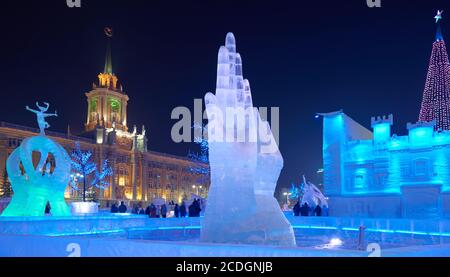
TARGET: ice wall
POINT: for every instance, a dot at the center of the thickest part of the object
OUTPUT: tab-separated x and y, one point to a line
338	129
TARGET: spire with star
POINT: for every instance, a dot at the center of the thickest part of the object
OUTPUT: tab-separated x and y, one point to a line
438	18
436	95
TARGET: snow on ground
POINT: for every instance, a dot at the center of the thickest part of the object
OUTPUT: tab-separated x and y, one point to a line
112	236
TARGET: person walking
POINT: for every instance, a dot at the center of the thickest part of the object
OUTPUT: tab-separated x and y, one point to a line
164	211
152	213
147	210
183	210
122	208
114	208
176	211
297	209
305	209
48	208
318	210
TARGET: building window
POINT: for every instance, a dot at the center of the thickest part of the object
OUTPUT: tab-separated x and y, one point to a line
123	177
421	167
360	179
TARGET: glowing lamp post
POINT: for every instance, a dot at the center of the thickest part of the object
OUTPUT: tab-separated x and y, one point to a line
197	188
82	208
287	197
76	177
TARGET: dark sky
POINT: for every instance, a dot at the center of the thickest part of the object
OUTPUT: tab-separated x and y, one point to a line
303	56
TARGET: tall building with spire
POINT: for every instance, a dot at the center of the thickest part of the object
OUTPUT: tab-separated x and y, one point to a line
436	96
107	102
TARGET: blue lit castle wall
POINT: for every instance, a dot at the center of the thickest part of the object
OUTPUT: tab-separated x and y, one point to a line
376	174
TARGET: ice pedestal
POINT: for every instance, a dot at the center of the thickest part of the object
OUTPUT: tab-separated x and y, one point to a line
245	164
84	208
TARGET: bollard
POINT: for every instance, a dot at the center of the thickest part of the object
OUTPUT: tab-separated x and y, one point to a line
361	238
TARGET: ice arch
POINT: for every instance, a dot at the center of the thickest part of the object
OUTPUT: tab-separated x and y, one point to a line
34	186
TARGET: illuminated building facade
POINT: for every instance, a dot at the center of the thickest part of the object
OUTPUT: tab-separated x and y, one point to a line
377	174
139	175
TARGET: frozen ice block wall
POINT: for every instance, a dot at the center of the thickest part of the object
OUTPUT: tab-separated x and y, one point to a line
245	163
338	129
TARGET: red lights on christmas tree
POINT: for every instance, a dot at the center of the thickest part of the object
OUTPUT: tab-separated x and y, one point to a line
436	96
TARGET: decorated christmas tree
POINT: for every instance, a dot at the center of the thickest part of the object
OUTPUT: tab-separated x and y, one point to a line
436	96
201	158
83	165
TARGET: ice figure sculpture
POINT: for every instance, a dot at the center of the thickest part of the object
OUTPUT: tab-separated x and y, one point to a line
312	195
245	164
34	185
41	115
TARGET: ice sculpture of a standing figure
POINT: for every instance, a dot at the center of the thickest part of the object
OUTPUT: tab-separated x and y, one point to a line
245	164
41	115
35	184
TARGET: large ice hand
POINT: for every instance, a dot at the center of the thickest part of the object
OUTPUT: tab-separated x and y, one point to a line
232	125
270	162
245	165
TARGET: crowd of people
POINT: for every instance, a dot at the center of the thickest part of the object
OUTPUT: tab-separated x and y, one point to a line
162	211
305	210
122	208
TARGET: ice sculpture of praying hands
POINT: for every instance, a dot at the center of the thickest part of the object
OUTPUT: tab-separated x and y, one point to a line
245	163
41	115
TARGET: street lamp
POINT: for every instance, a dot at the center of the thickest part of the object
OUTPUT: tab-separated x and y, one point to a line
197	188
158	185
75	178
287	197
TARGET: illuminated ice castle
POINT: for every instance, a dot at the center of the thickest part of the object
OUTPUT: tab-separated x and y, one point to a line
377	174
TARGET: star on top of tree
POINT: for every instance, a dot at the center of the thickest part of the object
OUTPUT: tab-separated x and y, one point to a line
438	16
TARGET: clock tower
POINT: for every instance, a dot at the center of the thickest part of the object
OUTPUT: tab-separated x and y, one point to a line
107	102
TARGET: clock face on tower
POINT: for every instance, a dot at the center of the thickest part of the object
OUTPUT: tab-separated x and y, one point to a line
115	105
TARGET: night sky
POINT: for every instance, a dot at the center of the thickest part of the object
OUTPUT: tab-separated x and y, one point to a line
303	56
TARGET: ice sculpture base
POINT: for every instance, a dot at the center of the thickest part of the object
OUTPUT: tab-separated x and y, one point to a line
84	208
265	226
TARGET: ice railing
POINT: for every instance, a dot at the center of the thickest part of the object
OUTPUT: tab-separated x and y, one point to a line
118	223
438	227
89	225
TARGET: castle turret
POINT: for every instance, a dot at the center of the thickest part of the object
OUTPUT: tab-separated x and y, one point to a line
338	130
421	134
382	130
